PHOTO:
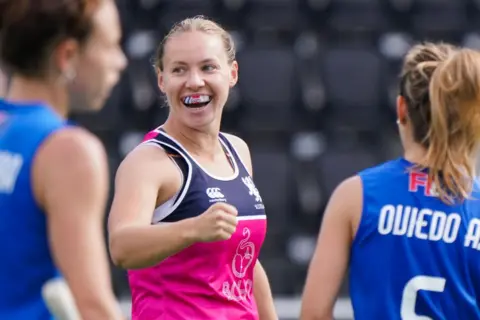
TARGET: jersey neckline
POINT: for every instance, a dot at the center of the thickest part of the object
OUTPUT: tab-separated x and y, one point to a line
227	151
24	105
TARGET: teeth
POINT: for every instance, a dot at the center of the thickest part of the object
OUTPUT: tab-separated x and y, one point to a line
195	99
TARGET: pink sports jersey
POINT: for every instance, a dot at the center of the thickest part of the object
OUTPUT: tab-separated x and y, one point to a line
207	281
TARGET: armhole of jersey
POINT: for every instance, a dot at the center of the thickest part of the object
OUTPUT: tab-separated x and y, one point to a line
230	147
169	206
363	211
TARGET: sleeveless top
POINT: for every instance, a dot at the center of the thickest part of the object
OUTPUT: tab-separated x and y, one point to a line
212	280
26	259
414	257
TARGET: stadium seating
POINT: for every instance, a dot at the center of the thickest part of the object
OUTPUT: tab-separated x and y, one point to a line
318	80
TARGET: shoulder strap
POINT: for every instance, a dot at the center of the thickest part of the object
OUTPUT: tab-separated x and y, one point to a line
231	151
174	151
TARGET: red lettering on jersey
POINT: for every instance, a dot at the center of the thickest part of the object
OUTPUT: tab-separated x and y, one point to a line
420	179
417	179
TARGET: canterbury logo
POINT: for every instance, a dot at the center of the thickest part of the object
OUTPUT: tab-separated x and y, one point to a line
214	193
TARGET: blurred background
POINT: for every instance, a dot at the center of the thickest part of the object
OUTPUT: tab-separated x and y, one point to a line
315	101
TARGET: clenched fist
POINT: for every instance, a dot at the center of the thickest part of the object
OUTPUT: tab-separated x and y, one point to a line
218	222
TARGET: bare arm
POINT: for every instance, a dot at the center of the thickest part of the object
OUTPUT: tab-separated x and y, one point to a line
70	177
134	242
261	286
263	294
331	257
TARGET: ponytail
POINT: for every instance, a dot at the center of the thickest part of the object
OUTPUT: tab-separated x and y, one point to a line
454	130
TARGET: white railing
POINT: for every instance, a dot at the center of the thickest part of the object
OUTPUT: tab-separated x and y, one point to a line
287	308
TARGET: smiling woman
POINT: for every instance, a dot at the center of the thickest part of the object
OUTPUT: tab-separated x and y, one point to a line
196	68
186	214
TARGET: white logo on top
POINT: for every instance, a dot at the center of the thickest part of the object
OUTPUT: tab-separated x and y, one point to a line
10	166
240	289
252	190
215	195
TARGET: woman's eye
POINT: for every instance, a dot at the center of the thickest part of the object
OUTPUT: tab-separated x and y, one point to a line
209	67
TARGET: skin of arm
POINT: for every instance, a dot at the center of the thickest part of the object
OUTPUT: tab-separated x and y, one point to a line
144	174
70	183
331	257
263	294
261	286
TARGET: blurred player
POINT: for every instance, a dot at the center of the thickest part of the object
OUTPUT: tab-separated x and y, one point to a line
63	55
409	229
186	213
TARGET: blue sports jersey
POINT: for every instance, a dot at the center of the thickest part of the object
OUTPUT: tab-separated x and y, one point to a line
26	261
414	257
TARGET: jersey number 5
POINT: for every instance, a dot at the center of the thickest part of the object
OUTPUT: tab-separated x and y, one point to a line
409	296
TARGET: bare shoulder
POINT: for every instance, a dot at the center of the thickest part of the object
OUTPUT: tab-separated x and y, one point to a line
242	148
71	150
346	201
149	164
69	156
146	178
238	143
72	144
351	185
348	193
146	157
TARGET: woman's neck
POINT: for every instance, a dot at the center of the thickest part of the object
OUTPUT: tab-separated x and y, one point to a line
415	153
198	142
24	89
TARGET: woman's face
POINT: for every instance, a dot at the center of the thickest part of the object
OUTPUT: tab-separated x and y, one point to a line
196	77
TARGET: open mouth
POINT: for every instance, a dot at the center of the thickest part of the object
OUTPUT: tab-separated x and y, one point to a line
196	101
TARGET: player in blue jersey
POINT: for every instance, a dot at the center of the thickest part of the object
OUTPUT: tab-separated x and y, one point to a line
61	55
409	229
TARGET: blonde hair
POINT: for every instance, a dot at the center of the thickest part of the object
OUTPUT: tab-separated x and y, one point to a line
441	87
197	23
